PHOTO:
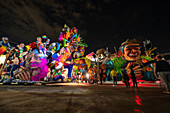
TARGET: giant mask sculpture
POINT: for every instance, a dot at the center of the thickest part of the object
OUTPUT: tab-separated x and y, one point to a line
130	50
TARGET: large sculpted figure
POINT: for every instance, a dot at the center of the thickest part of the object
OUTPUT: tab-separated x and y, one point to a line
130	50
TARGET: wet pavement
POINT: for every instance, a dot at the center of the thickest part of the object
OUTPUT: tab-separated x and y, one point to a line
82	99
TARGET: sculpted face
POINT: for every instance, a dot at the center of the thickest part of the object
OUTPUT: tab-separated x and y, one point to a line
101	57
22	45
132	52
5	41
39	39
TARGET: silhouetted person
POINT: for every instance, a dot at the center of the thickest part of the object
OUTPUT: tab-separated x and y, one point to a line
162	68
126	78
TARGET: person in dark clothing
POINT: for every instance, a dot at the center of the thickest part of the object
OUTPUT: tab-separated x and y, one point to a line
101	75
126	78
132	69
133	77
162	68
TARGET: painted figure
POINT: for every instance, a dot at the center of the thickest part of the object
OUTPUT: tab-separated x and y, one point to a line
4	45
130	50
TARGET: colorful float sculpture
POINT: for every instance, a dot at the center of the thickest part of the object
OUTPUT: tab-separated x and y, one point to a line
71	48
130	51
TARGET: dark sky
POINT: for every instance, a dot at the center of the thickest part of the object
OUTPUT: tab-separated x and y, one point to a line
101	23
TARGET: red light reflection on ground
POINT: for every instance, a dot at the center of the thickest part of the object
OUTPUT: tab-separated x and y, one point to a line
136	110
147	85
138	100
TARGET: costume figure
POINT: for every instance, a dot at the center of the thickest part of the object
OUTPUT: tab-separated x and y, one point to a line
102	73
82	68
130	50
21	48
69	65
42	46
39	62
40	65
11	68
72	48
58	61
109	67
4	45
92	71
148	70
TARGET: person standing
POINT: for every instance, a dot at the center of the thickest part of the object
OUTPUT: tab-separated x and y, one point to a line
162	68
101	76
114	77
126	78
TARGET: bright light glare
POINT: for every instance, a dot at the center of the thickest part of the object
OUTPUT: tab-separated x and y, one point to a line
87	75
2	59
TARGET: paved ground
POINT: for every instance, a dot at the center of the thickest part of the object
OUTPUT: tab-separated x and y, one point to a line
82	99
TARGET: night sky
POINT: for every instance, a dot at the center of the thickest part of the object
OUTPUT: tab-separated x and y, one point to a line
101	23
